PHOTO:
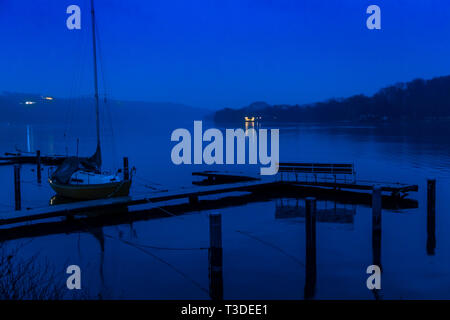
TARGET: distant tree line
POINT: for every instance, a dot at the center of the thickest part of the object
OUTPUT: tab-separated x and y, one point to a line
415	100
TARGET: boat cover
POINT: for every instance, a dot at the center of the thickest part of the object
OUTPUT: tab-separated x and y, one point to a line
65	171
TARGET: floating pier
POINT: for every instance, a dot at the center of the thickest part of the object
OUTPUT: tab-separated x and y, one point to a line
220	183
337	176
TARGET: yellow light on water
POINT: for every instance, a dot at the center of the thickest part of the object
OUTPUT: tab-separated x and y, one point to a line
48	98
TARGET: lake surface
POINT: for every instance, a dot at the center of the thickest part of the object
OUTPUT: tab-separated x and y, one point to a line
263	251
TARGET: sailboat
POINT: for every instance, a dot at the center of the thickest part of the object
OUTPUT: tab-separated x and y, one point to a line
81	178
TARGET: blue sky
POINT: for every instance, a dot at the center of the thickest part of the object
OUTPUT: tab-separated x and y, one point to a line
215	54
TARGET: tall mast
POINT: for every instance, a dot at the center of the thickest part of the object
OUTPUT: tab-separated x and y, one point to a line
97	156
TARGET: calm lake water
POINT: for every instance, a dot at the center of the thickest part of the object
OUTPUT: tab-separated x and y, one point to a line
263	252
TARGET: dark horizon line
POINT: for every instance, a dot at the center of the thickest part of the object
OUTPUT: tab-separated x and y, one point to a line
310	104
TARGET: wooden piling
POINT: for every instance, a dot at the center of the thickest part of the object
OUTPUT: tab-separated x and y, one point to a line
310	231
215	257
126	170
193	200
431	216
17	193
376	225
38	166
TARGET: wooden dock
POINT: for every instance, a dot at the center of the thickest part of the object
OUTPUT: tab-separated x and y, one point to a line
19	158
78	208
215	183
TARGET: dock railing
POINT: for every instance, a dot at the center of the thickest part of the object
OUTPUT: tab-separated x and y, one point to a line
318	172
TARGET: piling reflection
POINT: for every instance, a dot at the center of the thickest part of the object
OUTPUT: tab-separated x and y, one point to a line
17	191
376	231
308	208
431	216
334	213
98	234
38	167
310	231
215	257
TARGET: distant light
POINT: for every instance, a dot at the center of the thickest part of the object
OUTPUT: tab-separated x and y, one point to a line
48	98
249	119
30	102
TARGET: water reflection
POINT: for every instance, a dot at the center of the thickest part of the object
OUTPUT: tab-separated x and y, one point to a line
326	211
393	153
100	237
30	140
56	200
431	217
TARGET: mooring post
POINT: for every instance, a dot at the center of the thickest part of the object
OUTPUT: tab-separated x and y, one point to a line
38	162
376	225
215	257
126	171
193	200
310	231
431	216
17	193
